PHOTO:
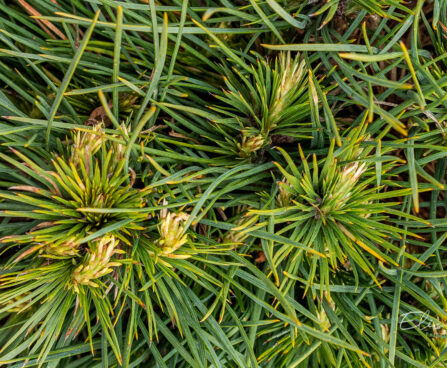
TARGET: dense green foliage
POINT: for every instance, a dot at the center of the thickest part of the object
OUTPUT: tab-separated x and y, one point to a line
223	183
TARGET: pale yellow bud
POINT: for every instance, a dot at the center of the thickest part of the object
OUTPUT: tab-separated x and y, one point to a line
86	143
97	263
67	248
291	74
284	193
324	319
171	229
249	145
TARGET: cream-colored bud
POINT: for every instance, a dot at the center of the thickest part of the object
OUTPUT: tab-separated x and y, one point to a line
86	143
68	248
171	229
249	145
97	263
